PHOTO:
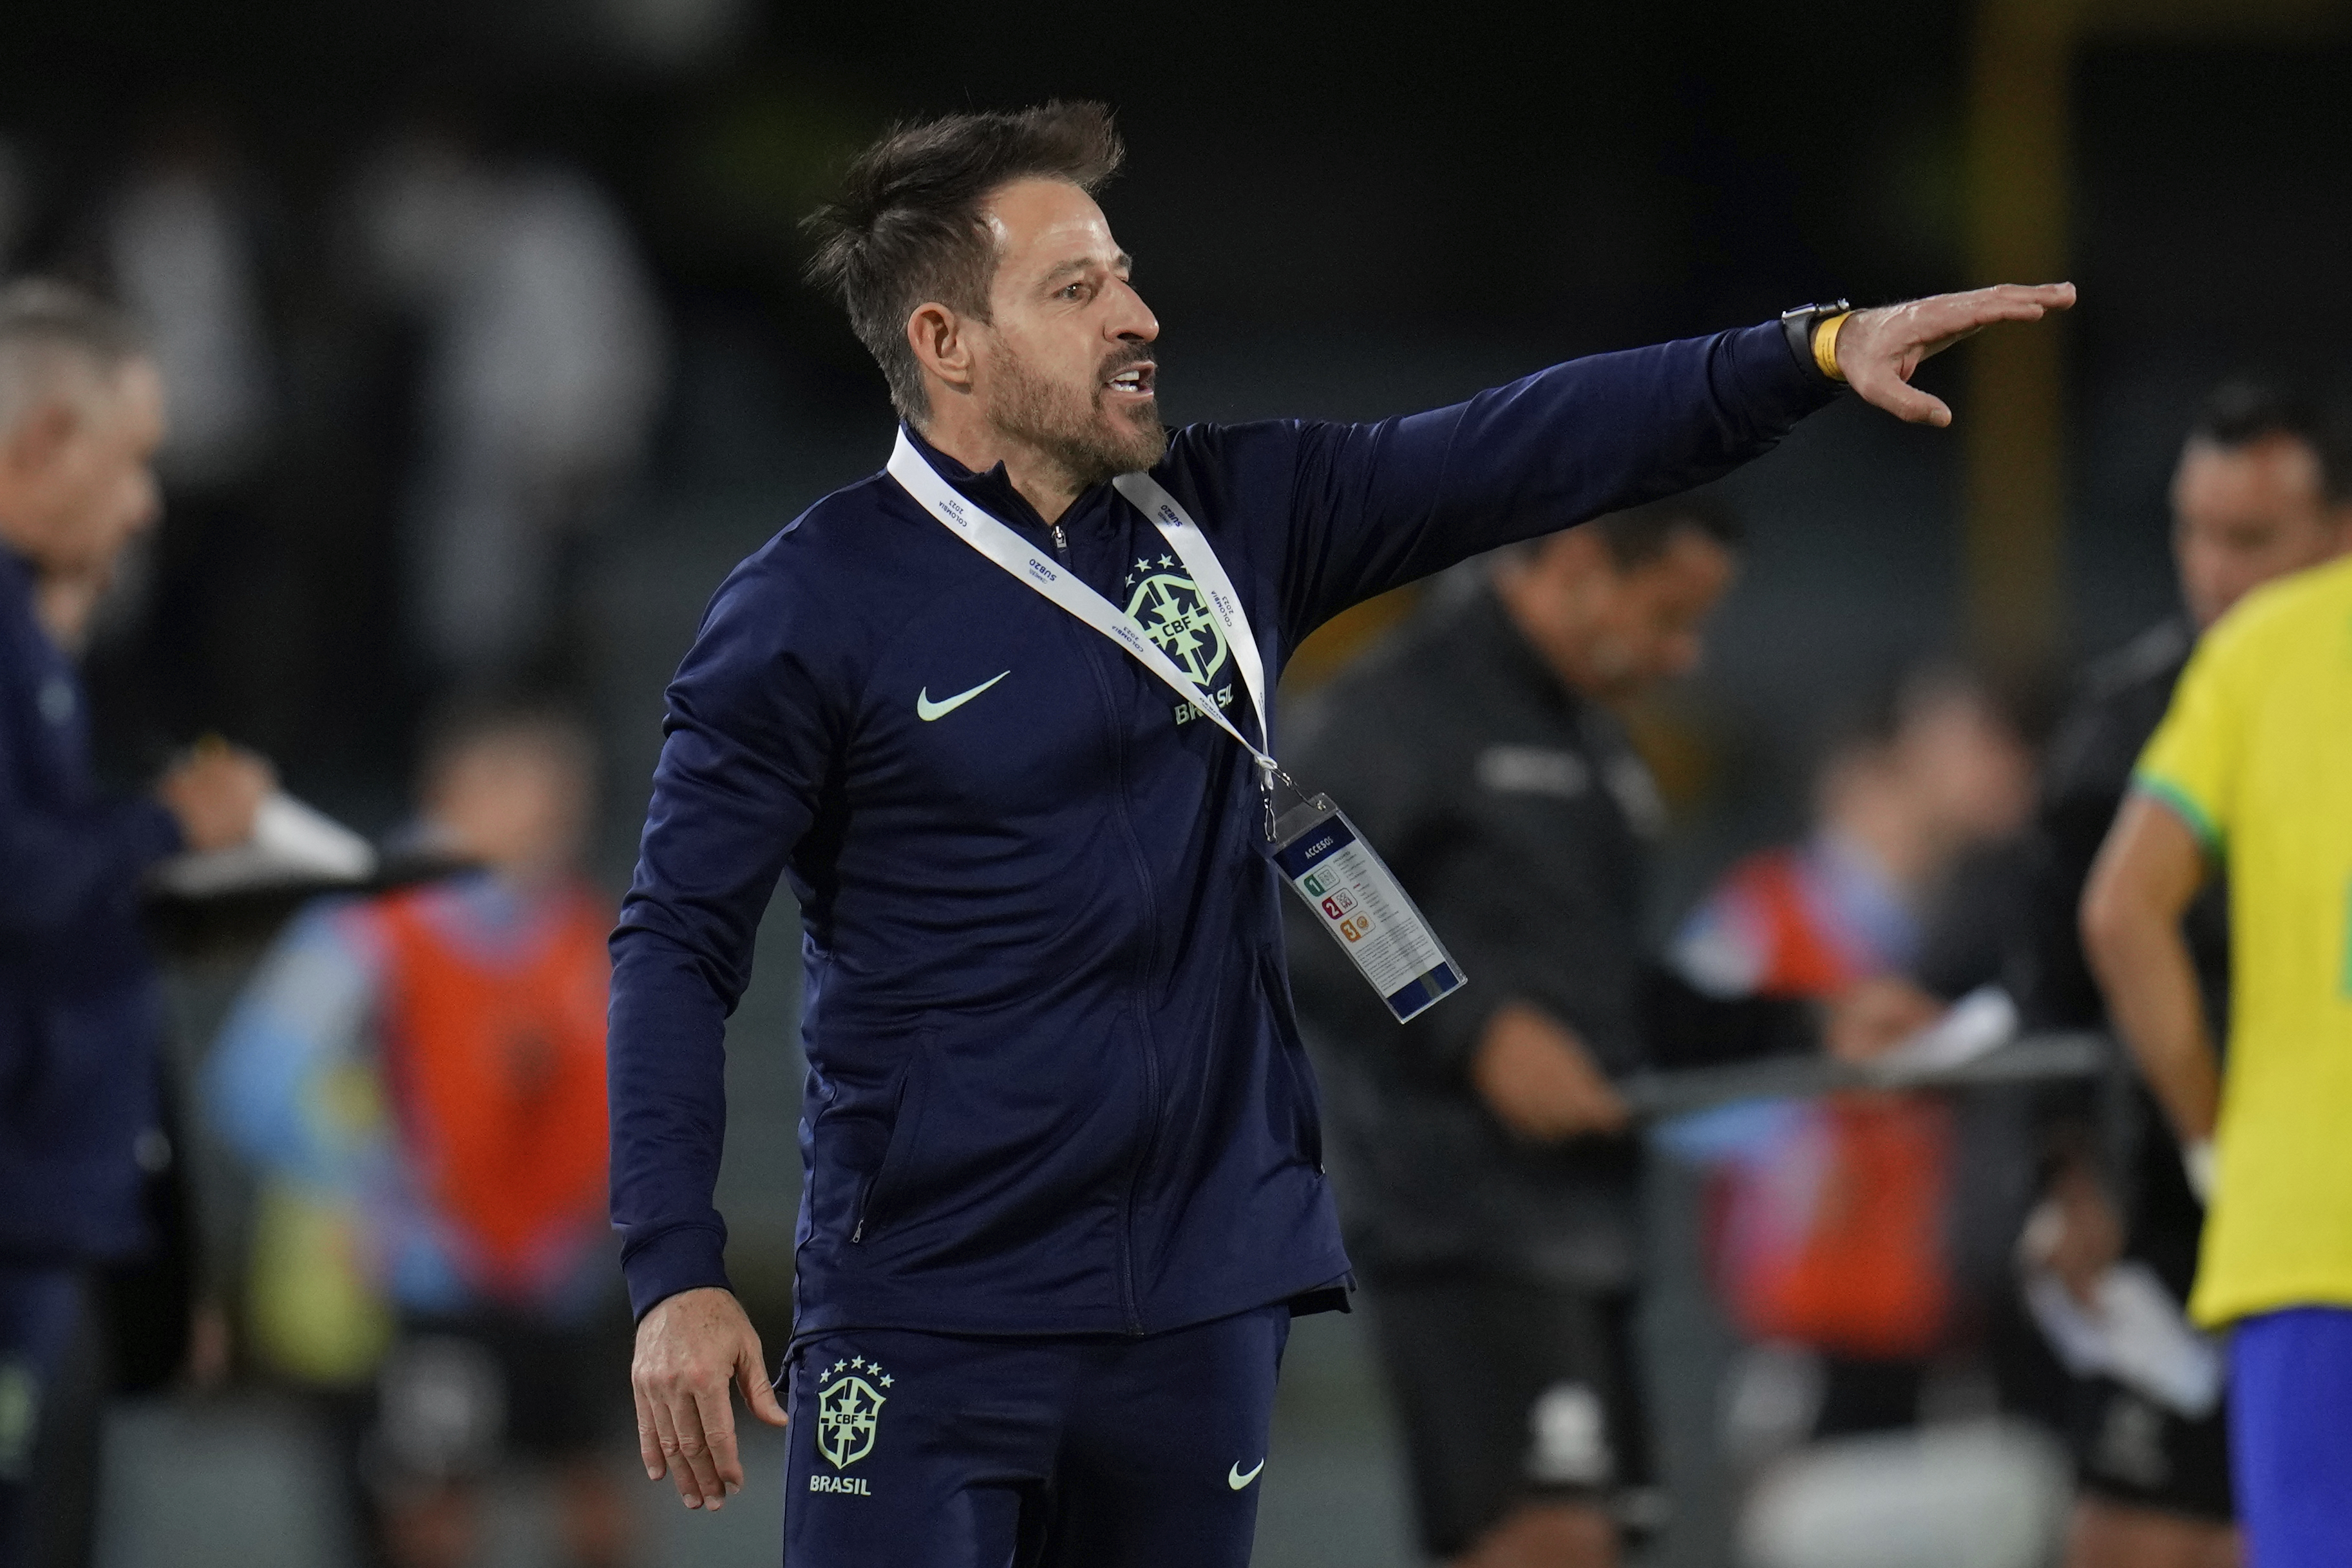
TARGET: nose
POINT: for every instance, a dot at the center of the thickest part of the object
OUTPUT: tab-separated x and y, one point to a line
1131	319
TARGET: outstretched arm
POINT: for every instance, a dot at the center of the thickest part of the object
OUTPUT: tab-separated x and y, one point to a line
55	864
1377	505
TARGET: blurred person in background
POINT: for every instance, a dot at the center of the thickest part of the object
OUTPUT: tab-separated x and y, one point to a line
81	414
1489	1194
544	360
1831	1229
2251	770
2263	488
420	1074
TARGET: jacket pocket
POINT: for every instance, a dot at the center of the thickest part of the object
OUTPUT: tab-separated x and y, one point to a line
899	1153
1295	1070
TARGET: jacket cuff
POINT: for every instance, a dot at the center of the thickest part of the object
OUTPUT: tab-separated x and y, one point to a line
1764	361
686	1259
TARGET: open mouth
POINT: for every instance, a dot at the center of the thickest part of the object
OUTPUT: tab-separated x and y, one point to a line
1133	380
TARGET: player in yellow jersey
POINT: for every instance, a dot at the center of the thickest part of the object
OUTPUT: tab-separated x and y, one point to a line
2252	768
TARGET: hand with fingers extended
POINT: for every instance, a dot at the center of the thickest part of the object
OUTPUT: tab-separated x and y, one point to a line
1877	351
690	1348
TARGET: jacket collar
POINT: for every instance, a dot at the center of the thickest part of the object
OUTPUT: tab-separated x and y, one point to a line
993	489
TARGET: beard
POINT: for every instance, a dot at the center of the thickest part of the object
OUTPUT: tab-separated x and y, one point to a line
1073	428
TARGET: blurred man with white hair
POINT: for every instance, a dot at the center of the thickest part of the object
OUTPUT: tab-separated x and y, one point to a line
81	412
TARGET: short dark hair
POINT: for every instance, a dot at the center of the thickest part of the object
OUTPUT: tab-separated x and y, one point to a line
1876	716
1639	535
907	226
479	716
44	323
2244	410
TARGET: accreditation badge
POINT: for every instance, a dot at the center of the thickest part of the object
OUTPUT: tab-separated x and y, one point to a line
1359	901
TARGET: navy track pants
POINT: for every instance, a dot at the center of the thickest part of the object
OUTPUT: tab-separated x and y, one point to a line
923	1450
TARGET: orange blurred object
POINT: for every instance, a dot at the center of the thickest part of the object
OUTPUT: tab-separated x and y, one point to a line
1838	1241
497	1074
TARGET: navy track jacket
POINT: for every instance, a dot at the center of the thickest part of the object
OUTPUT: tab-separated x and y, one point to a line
1054	1082
81	1009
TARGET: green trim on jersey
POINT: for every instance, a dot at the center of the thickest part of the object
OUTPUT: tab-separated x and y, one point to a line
2172	796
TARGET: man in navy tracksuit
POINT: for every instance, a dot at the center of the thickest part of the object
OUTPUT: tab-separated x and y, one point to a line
1063	1172
80	1011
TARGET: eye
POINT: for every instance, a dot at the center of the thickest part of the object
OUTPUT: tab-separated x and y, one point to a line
1071	291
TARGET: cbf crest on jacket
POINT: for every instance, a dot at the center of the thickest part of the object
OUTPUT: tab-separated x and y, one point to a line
1054	1082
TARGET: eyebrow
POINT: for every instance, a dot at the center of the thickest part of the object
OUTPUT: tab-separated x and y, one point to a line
1122	262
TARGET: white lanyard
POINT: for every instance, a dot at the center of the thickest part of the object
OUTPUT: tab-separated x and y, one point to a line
1048	577
1326	861
1209	580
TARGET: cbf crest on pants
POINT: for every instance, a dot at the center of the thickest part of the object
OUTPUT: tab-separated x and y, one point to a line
849	1403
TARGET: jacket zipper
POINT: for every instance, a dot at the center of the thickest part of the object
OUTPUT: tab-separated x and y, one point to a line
1152	1107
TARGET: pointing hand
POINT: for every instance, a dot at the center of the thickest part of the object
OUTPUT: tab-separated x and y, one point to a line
1879	349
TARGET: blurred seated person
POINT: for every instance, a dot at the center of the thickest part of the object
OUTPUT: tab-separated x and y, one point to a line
1831	1224
432	1060
81	1010
1481	1157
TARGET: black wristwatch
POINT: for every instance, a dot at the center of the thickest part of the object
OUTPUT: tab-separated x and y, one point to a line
1798	327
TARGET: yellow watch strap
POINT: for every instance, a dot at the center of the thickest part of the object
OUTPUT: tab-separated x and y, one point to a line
1825	337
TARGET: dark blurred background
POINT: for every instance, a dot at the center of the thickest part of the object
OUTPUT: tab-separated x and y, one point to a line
1337	211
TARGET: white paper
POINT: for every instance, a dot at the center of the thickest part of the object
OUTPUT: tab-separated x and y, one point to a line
292	845
2135	1333
1977	1025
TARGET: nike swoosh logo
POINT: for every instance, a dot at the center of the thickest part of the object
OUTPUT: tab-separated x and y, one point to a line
1235	1479
927	710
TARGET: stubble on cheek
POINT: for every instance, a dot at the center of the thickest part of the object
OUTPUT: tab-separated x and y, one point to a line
1081	431
1147	437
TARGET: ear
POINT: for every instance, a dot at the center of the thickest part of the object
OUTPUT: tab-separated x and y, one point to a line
941	346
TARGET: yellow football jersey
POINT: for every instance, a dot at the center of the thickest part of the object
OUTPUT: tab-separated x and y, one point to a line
2256	756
